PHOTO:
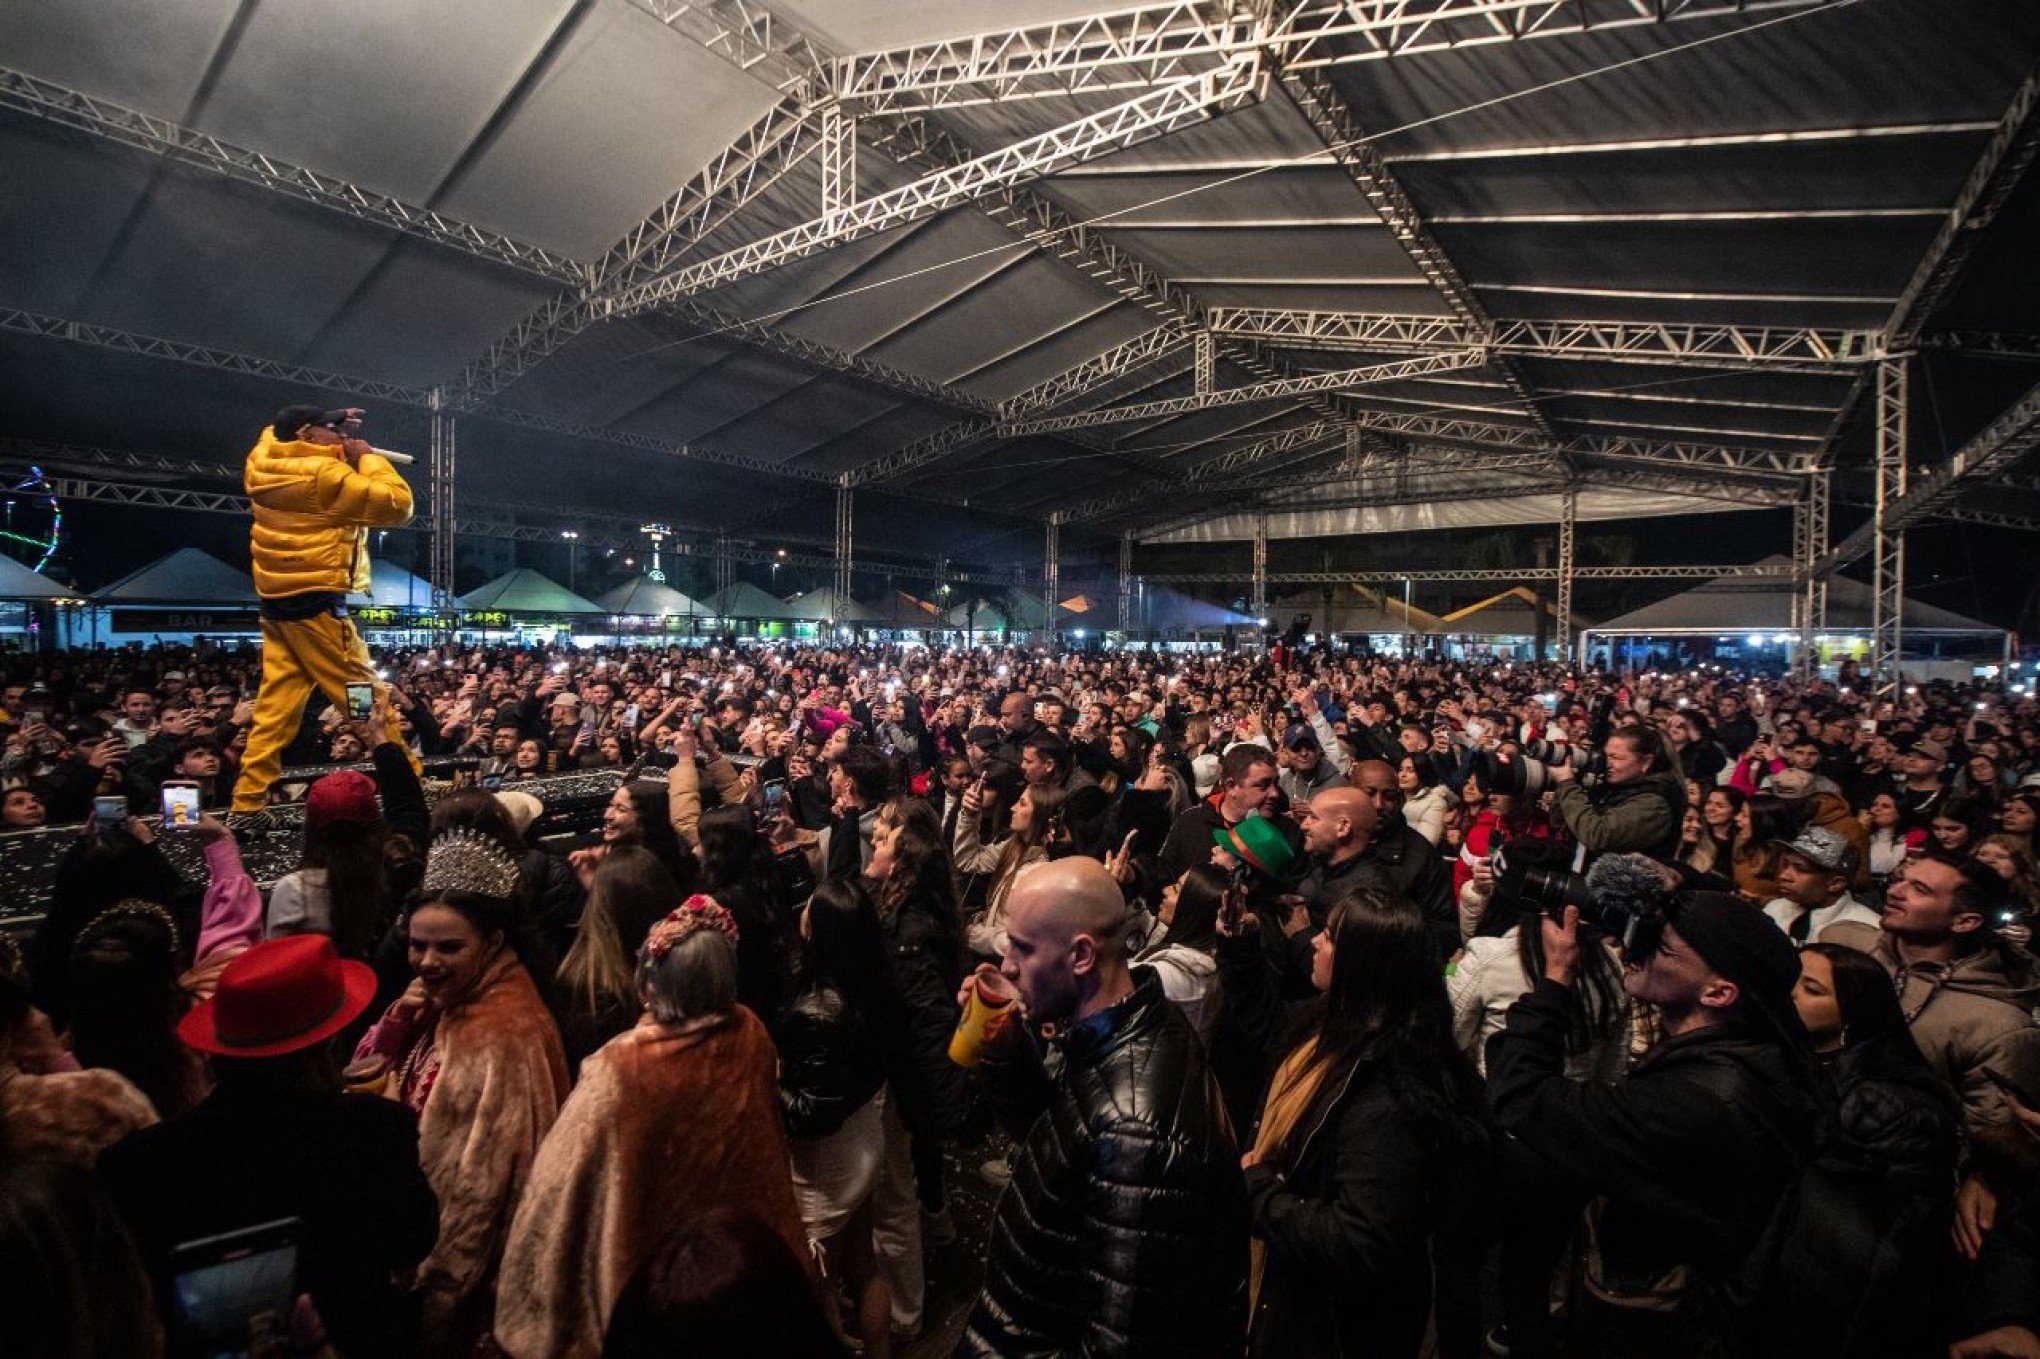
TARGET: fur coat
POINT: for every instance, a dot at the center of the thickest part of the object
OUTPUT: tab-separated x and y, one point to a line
501	1076
666	1122
68	1116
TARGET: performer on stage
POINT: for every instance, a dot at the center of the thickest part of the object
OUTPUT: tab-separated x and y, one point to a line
317	491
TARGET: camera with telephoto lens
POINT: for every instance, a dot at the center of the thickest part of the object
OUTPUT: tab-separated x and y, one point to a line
1526	771
1624	896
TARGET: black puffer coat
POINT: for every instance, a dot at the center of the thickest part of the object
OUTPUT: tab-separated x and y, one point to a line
1124	1231
1348	1269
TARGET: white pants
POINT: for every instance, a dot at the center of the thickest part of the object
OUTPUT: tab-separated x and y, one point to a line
896	1224
834	1175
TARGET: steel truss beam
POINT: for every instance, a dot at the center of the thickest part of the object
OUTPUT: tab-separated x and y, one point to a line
2002	443
1157	113
1767	348
1125	581
1339	128
1750	571
2005	160
496	520
1342	380
1985	344
159	136
150	346
1143	44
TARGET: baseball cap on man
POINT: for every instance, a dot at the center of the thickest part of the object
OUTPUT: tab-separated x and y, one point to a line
1300	737
1792	784
1930	748
1827	850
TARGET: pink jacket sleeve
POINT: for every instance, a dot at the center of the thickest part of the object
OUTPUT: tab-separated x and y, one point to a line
232	915
1744	780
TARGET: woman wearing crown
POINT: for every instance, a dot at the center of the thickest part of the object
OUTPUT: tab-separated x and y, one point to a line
472	1048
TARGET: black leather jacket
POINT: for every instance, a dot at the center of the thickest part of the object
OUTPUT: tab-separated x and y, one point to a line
1124	1231
831	1062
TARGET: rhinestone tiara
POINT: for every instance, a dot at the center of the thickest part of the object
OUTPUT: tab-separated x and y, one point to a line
465	860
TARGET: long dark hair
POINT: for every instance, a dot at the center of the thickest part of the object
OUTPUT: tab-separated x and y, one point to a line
922	871
733	854
125	1004
1771	818
655	832
845	952
1863	993
722	1286
1199	899
358	861
631	892
1386	1006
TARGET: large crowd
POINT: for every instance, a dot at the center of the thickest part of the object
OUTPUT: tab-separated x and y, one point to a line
1305	1002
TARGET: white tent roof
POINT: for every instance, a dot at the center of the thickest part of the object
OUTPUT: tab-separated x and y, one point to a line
641	596
1729	605
392	587
17	582
186	576
741	599
826	606
1353	608
526	591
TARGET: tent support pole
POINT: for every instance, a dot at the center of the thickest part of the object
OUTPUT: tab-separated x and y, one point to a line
1051	567
441	458
844	538
1125	582
1887	600
1259	605
1568	515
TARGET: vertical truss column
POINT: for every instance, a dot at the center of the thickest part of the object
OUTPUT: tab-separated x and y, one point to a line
441	457
844	540
1887	582
1260	591
1205	351
839	160
1817	588
1051	567
725	564
1125	582
1809	541
1568	515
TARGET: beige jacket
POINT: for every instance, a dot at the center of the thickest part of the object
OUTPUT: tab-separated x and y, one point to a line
1973	1019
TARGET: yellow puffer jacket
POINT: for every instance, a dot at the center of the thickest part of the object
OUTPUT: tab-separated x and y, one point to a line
313	513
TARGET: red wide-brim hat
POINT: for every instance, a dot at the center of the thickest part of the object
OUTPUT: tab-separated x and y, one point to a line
281	996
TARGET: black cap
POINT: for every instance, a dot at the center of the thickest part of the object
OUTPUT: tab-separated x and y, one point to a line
291	419
983	734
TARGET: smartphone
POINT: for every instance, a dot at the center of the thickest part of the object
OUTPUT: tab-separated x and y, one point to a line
694	718
33	718
1869	726
226	1289
360	698
180	804
630	716
110	811
491	782
775	798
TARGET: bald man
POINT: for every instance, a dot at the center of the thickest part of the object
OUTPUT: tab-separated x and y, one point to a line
1124	1230
1356	836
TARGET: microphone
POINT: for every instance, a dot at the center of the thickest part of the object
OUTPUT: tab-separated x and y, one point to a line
400	459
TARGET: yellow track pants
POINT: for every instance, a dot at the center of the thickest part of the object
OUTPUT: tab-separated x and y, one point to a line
322	652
